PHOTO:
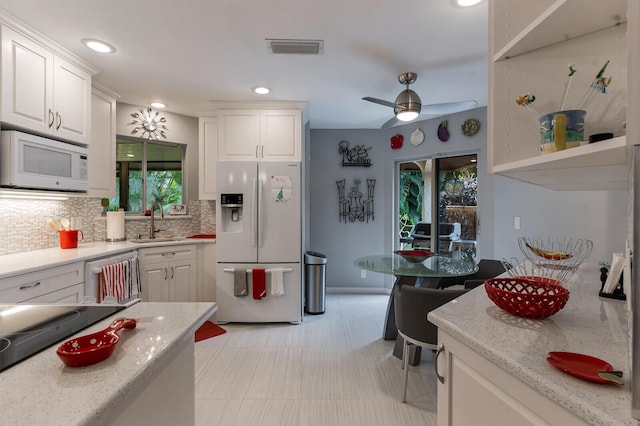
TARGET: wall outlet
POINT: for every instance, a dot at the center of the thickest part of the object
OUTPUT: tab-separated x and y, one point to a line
516	222
363	273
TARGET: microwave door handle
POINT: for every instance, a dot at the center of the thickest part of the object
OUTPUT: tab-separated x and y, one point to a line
260	213
254	214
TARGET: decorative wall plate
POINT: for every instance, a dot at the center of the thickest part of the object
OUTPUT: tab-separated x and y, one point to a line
417	137
470	127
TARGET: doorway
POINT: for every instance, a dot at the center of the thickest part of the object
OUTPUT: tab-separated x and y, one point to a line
443	191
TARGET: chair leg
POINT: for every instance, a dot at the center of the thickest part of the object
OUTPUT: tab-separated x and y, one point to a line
405	363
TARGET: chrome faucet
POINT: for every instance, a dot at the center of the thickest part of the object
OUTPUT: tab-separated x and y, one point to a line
152	226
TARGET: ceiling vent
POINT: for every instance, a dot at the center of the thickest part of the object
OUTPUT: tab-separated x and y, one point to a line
295	47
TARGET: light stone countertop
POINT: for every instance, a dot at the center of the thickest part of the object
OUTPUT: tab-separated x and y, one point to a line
35	260
41	390
588	324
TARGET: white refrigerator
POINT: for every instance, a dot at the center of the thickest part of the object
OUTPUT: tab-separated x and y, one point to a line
259	227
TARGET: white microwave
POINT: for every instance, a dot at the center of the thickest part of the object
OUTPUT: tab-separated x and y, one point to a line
33	162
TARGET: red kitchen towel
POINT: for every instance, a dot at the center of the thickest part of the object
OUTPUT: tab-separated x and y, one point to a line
112	282
259	283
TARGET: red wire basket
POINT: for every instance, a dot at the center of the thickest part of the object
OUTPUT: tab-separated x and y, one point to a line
527	297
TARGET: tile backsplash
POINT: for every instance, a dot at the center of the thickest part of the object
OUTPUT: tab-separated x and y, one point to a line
23	223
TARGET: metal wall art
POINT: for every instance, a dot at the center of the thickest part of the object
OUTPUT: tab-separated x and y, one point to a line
351	206
149	123
356	156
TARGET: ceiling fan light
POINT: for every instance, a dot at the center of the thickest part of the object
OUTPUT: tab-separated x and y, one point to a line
407	115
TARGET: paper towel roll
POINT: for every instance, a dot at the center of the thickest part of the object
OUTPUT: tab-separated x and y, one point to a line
115	226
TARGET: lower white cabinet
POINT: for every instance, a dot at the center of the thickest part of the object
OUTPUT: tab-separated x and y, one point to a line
475	391
206	287
60	284
168	273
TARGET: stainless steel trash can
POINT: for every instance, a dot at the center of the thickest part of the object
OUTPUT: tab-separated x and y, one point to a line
315	267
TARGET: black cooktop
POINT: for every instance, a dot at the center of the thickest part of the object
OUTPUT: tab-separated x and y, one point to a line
27	329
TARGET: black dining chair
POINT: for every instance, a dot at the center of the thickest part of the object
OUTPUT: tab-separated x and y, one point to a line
412	304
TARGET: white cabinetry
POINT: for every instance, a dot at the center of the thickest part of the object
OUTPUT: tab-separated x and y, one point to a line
531	46
260	135
168	273
42	91
102	150
208	157
206	287
478	392
63	283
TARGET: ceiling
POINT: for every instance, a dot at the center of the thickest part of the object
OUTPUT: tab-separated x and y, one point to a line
191	53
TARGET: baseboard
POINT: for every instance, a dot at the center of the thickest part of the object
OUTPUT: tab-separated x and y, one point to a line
358	290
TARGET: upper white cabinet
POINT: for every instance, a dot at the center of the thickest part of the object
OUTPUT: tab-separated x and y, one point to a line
42	91
260	135
531	45
207	158
102	150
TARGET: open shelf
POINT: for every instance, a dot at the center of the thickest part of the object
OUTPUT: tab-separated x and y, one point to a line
597	166
564	20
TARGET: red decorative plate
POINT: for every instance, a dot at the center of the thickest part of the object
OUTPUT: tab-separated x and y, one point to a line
581	366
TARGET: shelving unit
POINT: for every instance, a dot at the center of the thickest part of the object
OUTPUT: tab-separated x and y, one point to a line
532	44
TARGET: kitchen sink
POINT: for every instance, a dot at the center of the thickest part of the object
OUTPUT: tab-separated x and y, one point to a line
156	239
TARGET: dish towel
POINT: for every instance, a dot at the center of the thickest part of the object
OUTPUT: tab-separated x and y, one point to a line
240	282
112	281
259	284
277	281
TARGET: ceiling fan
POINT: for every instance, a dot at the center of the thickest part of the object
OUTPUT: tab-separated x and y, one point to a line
408	105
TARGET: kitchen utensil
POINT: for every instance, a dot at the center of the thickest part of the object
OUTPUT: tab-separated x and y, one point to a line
93	348
525	297
65	223
414	256
55	224
584	367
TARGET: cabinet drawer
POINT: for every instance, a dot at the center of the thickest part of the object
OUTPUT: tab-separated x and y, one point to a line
34	284
167	253
72	295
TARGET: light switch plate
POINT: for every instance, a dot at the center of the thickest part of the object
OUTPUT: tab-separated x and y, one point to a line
516	222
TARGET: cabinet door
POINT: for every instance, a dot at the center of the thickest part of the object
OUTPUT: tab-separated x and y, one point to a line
102	150
238	135
182	287
72	101
280	135
155	282
27	88
208	150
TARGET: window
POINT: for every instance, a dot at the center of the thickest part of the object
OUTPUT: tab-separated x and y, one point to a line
146	172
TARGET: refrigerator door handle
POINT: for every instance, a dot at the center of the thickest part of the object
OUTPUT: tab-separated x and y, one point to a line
261	210
254	214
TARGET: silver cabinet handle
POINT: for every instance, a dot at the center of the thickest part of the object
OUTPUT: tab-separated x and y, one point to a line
435	363
169	253
59	117
51	118
172	272
28	286
256	151
165	273
262	151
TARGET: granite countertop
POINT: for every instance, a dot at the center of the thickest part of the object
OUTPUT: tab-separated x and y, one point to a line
41	390
28	261
588	324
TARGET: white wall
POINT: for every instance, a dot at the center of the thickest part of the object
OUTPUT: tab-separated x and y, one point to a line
597	215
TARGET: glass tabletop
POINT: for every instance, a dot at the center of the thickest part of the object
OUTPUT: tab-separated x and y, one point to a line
434	266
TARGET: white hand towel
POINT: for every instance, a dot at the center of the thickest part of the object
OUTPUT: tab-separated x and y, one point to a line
277	281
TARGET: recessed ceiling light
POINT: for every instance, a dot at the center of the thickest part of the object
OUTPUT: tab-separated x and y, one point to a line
467	3
98	45
261	90
158	105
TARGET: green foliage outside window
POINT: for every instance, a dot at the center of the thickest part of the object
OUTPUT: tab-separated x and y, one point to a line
411	194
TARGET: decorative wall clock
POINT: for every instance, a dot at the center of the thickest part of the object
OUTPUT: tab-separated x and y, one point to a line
149	123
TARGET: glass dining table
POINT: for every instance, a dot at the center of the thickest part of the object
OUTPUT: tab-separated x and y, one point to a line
424	274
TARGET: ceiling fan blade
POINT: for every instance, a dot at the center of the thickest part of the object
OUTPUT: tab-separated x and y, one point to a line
390	123
448	107
379	101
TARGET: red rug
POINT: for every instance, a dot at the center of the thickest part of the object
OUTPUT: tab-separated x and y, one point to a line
207	330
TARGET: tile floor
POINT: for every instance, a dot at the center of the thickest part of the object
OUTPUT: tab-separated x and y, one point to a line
333	369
